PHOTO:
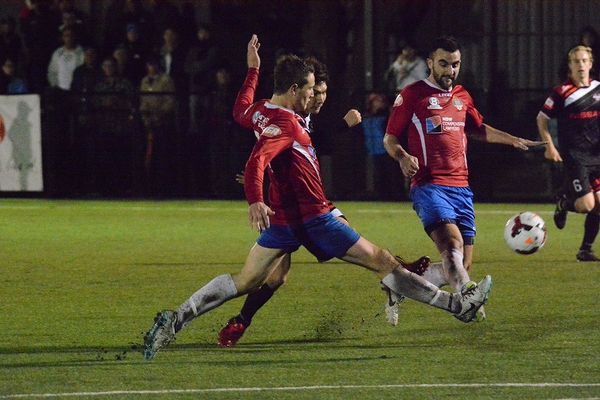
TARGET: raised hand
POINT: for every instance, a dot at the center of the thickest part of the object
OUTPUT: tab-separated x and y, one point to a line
252	57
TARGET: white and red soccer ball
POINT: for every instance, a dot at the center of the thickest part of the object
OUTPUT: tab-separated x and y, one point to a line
525	233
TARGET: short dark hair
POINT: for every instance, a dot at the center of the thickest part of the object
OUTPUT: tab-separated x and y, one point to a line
447	43
321	73
290	70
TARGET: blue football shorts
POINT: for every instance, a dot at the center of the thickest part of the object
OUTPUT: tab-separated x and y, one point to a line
437	205
324	236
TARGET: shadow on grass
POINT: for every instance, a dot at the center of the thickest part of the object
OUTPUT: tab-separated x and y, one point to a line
94	355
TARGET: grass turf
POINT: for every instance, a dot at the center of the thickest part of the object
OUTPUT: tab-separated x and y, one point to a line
81	282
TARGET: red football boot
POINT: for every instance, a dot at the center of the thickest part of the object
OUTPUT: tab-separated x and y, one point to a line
231	333
418	267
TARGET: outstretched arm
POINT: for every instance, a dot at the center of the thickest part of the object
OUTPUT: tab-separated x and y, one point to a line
493	135
551	153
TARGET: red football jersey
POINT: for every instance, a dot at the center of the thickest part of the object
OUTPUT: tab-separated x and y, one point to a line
296	192
433	121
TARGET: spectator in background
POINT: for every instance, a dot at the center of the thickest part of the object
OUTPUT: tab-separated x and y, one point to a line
137	50
39	28
70	21
407	68
164	15
379	181
223	162
84	81
115	131
87	74
121	13
200	65
172	58
124	68
10	41
157	108
9	83
64	61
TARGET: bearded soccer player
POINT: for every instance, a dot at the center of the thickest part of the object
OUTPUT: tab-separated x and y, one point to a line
235	328
576	106
433	115
299	213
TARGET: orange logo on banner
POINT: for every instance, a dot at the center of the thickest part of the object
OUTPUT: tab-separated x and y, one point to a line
2	130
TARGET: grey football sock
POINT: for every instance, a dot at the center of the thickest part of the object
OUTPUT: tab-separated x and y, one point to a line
435	274
414	287
456	274
211	295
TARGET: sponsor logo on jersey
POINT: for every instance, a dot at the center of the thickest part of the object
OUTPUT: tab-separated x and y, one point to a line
398	101
458	104
260	120
312	152
271	131
596	97
450	125
434	104
549	103
433	125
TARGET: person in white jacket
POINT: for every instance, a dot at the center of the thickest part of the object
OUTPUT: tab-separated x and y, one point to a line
64	61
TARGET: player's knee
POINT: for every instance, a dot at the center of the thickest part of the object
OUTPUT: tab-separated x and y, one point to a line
275	282
585	204
247	283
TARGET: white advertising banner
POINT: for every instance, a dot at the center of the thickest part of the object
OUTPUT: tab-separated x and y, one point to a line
20	144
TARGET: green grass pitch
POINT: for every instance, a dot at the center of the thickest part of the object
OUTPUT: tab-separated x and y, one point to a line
81	282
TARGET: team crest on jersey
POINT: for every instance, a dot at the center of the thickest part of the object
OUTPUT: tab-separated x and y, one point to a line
271	131
398	101
458	104
549	103
312	152
433	124
434	104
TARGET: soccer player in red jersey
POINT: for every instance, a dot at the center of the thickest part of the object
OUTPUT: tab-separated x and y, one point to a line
576	106
434	115
299	213
235	328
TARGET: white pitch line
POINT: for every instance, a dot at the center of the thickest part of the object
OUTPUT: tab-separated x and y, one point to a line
244	209
303	388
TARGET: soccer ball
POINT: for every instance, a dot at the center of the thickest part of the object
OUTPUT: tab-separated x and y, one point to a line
525	233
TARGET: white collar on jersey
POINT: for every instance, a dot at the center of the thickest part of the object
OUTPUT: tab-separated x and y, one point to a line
580	92
433	85
274	106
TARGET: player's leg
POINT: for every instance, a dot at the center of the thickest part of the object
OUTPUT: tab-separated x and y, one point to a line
257	267
233	331
591	227
413	286
577	198
449	243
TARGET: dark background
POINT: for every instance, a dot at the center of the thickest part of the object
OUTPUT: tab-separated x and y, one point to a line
512	54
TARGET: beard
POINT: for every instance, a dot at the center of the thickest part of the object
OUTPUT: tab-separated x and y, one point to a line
444	81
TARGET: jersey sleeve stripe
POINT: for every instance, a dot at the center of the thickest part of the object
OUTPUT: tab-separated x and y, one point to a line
419	127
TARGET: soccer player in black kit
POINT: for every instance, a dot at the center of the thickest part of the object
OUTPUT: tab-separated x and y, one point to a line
576	106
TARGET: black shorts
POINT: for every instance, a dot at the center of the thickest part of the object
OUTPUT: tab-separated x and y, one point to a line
582	179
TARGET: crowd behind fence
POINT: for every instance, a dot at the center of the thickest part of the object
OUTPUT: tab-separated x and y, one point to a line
146	145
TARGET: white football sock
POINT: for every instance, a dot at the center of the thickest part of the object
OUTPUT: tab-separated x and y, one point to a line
456	274
406	283
436	275
211	295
